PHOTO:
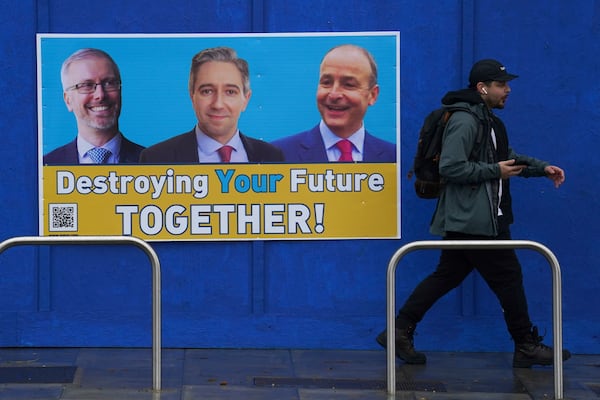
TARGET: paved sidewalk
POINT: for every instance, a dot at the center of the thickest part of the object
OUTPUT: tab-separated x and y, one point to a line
280	374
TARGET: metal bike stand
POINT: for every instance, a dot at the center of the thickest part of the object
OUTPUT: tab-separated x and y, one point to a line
156	301
475	244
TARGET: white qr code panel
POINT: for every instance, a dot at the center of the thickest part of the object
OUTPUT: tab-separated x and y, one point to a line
62	217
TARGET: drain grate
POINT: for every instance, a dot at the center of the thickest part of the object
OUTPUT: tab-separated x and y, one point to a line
362	384
37	374
421	386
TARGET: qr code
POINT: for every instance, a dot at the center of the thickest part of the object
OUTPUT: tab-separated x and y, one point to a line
62	218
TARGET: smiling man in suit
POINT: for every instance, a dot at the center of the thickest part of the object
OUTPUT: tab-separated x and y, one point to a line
92	92
219	88
347	88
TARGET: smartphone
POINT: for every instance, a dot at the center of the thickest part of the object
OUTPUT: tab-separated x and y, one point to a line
520	161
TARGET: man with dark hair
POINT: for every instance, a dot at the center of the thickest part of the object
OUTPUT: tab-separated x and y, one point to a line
475	204
92	91
219	87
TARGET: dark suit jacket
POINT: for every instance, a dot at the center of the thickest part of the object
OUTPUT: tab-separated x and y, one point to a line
67	154
308	146
183	149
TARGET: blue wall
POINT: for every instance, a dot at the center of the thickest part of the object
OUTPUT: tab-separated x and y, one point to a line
322	294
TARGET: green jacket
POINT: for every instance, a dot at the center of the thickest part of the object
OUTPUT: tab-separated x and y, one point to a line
469	166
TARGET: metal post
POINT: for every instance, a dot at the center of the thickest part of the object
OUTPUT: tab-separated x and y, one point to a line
156	291
475	244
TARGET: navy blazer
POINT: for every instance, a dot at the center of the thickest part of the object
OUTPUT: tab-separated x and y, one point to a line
183	149
308	146
67	154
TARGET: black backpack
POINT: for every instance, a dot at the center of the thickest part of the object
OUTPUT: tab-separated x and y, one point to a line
428	182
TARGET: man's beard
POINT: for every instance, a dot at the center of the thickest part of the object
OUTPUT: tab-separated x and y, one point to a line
104	124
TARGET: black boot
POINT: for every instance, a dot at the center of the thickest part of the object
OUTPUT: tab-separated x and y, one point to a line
531	351
405	349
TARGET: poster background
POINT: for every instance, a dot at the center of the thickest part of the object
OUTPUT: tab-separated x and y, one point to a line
284	72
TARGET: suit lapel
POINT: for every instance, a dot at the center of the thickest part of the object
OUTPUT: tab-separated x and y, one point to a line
189	152
312	146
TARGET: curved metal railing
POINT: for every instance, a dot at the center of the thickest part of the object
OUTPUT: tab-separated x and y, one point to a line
475	244
156	291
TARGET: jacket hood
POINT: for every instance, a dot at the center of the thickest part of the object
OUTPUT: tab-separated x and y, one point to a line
464	95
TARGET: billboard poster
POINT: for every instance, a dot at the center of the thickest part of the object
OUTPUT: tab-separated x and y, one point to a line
132	129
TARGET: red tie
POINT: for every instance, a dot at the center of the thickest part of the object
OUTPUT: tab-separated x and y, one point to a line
345	147
225	153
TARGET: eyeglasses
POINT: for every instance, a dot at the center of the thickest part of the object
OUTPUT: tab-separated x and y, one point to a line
111	85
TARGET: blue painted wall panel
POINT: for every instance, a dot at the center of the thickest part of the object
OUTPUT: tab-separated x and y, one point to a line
19	282
325	294
137	16
99	277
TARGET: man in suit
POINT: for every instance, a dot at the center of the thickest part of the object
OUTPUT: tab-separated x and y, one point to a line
92	92
347	87
219	88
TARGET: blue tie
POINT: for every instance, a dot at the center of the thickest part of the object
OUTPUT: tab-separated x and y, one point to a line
99	155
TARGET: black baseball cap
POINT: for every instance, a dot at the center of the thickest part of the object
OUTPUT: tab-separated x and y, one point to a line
489	70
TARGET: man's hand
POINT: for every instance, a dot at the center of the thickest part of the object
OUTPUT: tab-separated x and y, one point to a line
508	168
556	174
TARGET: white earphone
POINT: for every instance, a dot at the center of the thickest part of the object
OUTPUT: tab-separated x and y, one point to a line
484	90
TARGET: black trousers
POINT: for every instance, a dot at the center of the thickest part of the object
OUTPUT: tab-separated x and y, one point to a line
500	269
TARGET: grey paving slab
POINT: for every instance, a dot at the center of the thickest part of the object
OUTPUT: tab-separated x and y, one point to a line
81	393
234	367
471	396
336	394
128	368
364	365
27	392
232	392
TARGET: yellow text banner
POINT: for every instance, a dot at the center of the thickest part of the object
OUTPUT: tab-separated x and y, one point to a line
222	201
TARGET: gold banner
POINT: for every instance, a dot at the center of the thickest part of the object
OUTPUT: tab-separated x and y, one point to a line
222	201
